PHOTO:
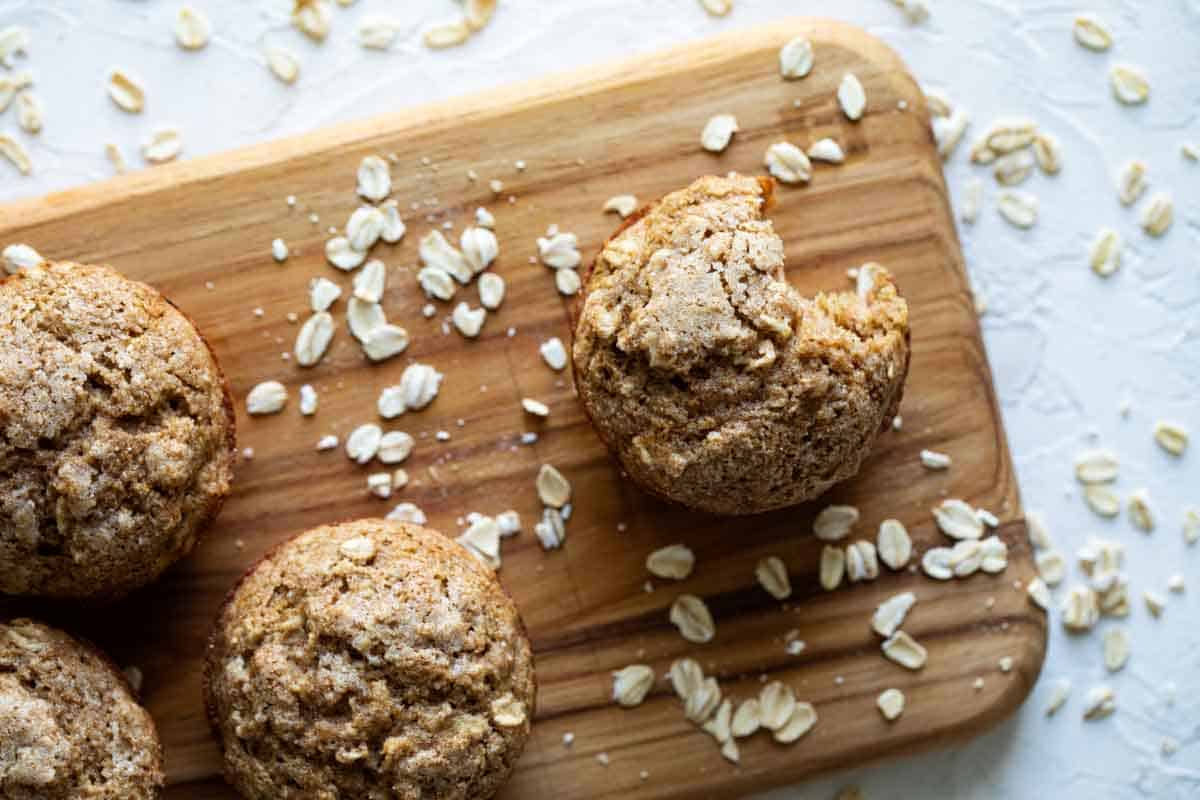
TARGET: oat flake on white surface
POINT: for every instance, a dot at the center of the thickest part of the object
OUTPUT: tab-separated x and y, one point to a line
1116	649
1019	209
1131	182
1129	84
1099	703
717	8
126	91
447	34
1091	33
1158	214
192	28
1171	437
948	132
283	63
163	145
1105	256
1141	514
1060	690
1101	499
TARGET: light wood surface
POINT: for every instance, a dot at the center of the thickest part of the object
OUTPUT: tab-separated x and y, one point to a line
632	127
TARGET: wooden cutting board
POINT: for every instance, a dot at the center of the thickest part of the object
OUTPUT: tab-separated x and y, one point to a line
201	232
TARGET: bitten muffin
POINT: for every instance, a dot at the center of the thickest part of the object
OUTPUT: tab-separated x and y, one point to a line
116	433
69	726
714	382
370	659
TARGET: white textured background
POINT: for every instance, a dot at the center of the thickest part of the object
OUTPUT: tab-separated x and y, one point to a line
1067	347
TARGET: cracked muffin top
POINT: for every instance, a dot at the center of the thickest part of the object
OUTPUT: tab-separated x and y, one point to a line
116	433
370	659
69	727
717	384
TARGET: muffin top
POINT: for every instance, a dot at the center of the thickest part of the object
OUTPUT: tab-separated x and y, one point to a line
69	727
116	433
715	382
370	659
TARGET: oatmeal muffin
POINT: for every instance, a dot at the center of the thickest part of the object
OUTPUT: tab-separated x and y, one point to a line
116	433
715	383
370	659
69	726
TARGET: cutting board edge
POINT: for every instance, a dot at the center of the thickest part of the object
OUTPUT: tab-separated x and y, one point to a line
489	102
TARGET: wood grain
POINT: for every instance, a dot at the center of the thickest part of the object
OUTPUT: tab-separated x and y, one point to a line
630	127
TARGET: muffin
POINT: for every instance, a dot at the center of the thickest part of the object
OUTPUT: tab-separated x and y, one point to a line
69	726
116	433
370	659
715	383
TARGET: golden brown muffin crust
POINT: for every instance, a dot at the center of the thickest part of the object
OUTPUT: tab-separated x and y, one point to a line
717	384
371	659
69	727
116	433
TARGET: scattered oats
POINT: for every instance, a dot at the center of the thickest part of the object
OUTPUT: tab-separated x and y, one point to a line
622	204
312	18
1013	168
535	407
746	719
126	92
248	453
1102	500
364	228
29	112
772	575
552	487
479	248
1171	437
164	145
972	200
1039	593
192	28
378	33
1019	209
1099	703
20	256
776	703
982	154
905	651
497	186
1116	649
931	459
395	447
322	293
364	318
891	704
703	701
447	34
794	646
938	102
796	58
1157	214
567	281
436	282
937	563
632	684
851	97
893	544
268	397
958	519
313	339
115	157
603	759
380	485
482	539
966	557
1191	526
1131	182
977	684
717	8
686	677
915	11
1059	693
314	218
835	522
799	722
1048	153
691	616
509	712
1155	602
788	163
1106	252
363	443
715	137
468	321
553	353
1175	583
374	179
1010	135
1129	84
718	725
1097	466
673	561
833	567
1080	609
559	250
890	614
484	218
1038	533
861	562
826	150
491	290
340	253
1140	513
13	40
529	437
568	739
987	518
948	132
1051	566
283	63
279	251
1091	33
